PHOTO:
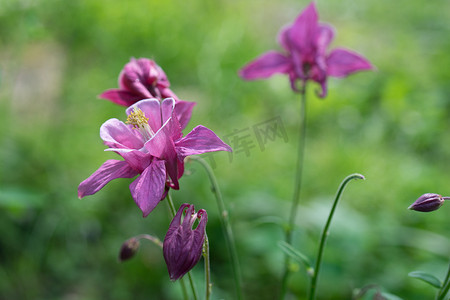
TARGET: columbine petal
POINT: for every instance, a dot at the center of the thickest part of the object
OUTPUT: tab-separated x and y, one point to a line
304	30
148	188
120	97
284	39
183	111
200	140
116	134
324	36
137	159
133	78
265	66
167	107
111	169
342	62
162	147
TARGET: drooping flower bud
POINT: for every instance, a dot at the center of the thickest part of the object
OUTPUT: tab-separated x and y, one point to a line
182	247
129	249
427	202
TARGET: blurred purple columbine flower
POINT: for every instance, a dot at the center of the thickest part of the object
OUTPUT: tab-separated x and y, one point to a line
305	43
153	147
143	79
428	202
182	247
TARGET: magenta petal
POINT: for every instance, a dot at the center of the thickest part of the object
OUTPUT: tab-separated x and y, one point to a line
284	39
200	140
116	134
183	111
304	30
109	170
324	36
170	121
120	97
136	159
342	62
133	78
265	66
162	147
167	107
148	189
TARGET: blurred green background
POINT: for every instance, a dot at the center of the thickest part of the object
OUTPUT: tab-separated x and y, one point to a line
392	125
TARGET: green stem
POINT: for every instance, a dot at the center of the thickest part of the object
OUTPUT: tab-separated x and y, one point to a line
445	286
191	282
224	221
207	269
183	289
325	233
194	291
297	187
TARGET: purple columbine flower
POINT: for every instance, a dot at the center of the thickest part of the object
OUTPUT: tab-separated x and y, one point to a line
153	147
305	43
182	247
142	79
428	202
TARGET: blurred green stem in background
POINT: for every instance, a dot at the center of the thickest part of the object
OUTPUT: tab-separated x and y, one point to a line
224	221
207	269
323	238
297	186
445	286
183	286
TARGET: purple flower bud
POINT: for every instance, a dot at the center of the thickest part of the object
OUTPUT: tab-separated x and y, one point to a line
427	202
129	249
182	247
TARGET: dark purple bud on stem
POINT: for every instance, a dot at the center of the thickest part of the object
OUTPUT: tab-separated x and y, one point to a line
428	202
129	249
183	245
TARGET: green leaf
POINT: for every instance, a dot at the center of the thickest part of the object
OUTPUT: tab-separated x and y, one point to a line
428	278
297	255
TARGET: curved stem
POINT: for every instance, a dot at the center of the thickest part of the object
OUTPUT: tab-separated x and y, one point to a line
224	221
323	238
445	286
207	270
194	291
297	187
152	239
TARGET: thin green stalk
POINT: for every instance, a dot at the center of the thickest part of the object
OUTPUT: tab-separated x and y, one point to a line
183	289
323	238
207	269
191	282
224	221
194	291
297	187
445	286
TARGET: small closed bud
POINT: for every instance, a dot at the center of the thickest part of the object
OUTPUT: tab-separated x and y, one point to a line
427	202
129	249
182	247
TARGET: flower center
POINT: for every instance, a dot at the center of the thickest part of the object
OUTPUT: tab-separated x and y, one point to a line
139	121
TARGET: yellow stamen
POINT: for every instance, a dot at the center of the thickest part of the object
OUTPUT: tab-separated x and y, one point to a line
137	119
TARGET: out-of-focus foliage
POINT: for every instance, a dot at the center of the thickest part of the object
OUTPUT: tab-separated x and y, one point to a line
392	125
